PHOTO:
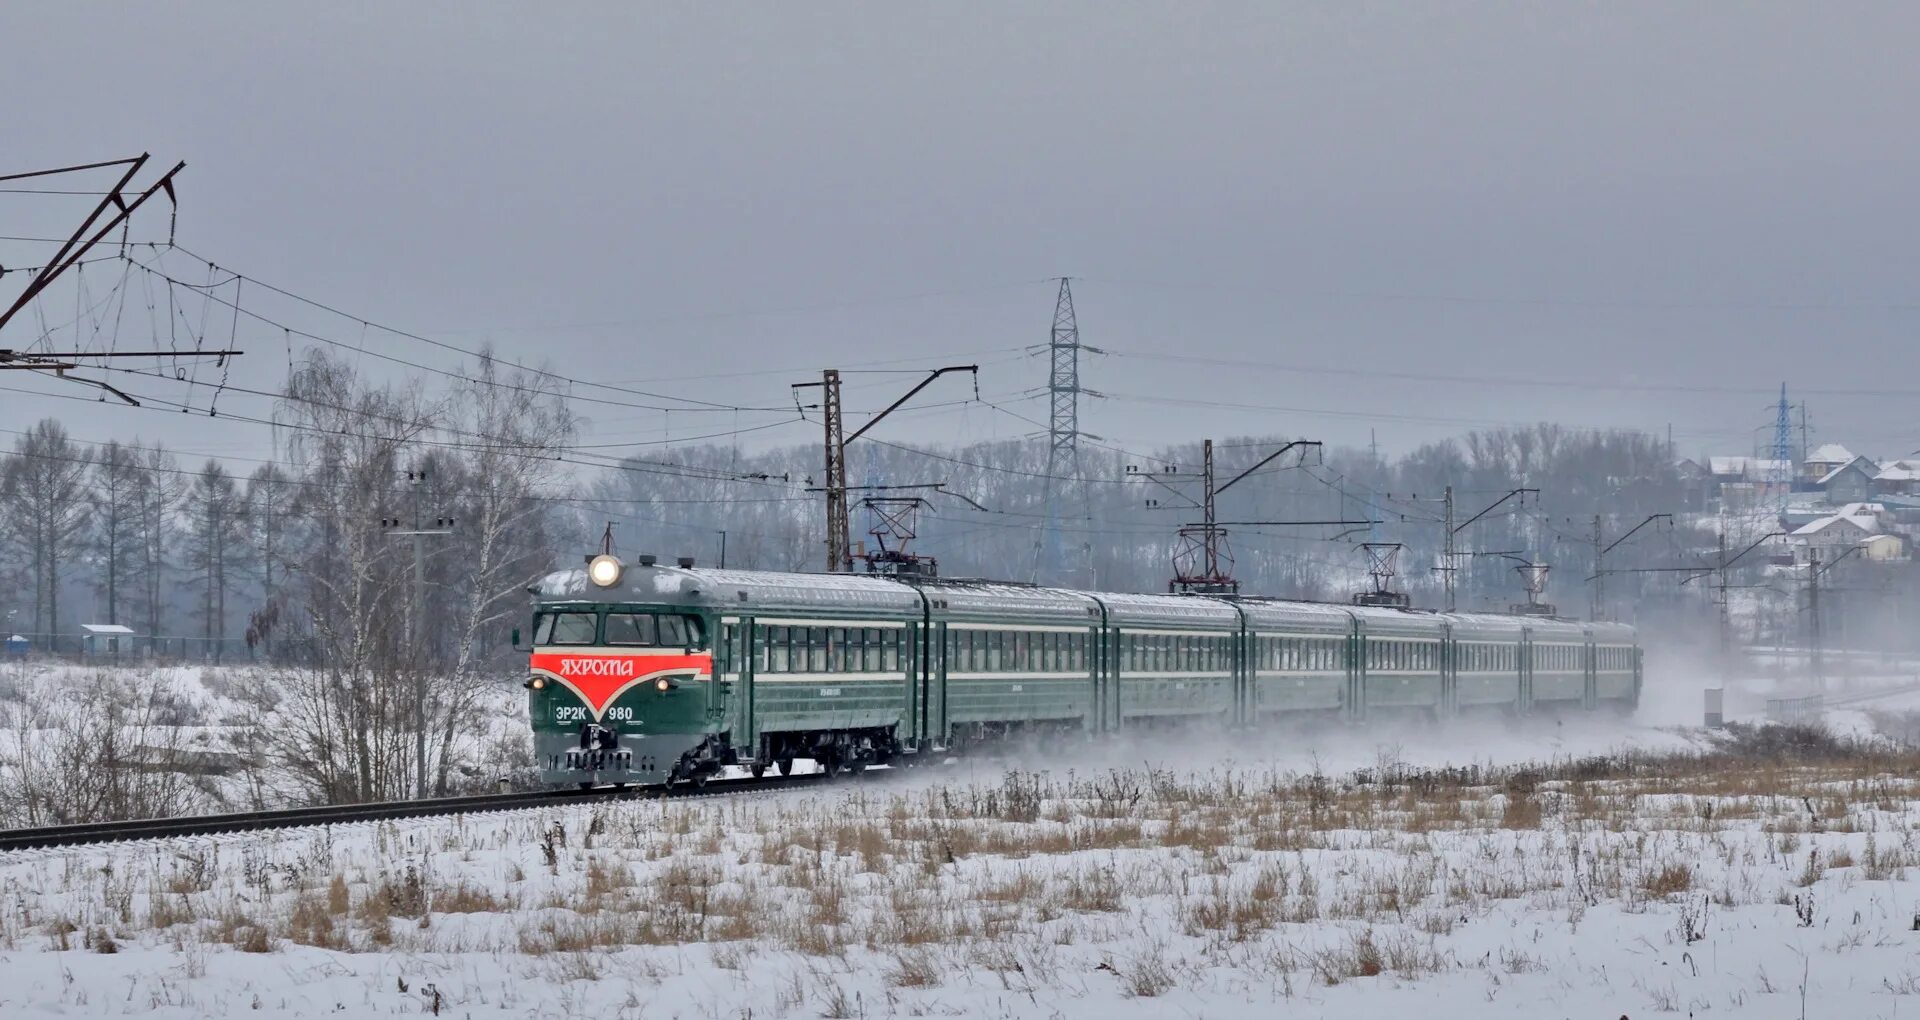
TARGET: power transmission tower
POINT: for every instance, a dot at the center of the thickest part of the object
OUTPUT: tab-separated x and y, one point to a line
1780	472
839	538
1064	481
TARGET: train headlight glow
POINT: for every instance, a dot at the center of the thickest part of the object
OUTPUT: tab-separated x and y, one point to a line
604	570
537	683
663	683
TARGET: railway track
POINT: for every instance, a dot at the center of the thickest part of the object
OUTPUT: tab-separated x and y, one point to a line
342	814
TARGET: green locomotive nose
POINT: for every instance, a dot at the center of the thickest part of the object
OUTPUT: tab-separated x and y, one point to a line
618	695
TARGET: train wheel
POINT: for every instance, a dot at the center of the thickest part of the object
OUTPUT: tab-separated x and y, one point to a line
700	780
759	769
785	765
831	766
586	786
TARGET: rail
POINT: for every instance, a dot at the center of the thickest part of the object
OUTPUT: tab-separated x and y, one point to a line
339	814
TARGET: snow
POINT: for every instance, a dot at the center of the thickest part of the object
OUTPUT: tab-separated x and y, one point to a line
1134	882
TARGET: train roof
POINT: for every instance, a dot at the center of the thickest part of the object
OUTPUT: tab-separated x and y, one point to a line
955	598
701	586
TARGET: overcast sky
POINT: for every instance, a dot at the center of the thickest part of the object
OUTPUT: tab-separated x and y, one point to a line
1283	218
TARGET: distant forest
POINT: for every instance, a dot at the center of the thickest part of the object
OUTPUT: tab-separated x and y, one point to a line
253	557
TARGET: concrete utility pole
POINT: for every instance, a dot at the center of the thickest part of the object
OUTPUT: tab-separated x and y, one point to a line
1599	555
416	620
1448	555
1599	575
1202	561
1815	658
1815	635
839	537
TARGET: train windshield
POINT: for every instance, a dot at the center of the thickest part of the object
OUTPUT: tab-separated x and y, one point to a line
564	629
622	629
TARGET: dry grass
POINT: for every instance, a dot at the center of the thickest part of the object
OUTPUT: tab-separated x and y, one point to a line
1332	879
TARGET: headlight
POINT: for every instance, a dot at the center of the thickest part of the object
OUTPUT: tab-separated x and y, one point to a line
604	570
663	683
537	683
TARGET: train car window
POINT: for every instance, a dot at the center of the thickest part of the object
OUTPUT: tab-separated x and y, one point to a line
775	644
809	642
632	629
564	629
674	632
837	650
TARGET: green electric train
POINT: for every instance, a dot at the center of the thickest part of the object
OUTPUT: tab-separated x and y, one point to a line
647	674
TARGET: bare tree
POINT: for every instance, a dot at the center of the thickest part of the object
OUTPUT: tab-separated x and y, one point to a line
43	494
347	733
115	501
156	496
216	543
270	501
503	535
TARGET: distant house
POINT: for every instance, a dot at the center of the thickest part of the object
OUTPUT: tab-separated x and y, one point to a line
1851	482
1696	484
1822	460
1748	481
1849	526
1900	477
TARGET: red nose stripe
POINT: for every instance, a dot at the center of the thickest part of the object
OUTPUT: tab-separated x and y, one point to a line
598	679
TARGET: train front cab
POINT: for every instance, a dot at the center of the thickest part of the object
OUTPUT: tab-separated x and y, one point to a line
620	693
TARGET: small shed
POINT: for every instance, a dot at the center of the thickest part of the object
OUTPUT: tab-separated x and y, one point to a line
1884	547
107	638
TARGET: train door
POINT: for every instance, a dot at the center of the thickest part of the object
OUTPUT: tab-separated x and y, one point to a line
1449	674
908	651
933	659
1589	665
1110	662
1357	671
1095	721
1240	661
733	657
1525	703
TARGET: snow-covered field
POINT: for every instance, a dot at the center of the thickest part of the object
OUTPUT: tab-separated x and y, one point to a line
1668	879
